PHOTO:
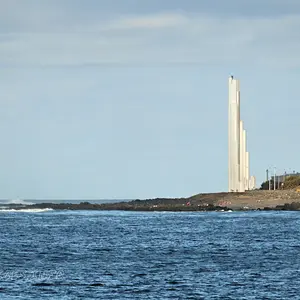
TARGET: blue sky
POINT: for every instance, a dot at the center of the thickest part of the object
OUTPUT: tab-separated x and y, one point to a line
128	99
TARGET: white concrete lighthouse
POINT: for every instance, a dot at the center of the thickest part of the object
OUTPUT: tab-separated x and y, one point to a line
238	157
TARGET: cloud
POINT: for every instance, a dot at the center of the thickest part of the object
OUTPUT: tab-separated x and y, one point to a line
158	21
169	37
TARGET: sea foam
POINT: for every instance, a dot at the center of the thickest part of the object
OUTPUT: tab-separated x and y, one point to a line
16	201
32	210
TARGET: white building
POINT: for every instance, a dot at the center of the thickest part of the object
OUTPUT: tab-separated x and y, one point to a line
238	157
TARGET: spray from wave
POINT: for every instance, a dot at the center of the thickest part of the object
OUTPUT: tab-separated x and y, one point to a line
16	202
32	210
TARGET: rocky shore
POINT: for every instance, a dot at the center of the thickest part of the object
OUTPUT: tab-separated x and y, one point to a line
251	200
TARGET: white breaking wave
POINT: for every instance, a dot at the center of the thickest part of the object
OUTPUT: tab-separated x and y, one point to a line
32	210
16	201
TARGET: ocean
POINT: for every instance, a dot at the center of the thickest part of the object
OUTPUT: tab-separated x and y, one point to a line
50	254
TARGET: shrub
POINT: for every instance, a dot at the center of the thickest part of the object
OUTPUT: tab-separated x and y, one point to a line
292	182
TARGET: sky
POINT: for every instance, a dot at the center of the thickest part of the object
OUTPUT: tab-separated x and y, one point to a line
127	99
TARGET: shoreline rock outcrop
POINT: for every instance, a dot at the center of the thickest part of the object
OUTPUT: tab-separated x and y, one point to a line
251	200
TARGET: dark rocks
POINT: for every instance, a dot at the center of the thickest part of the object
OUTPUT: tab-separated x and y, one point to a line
136	205
289	206
252	200
294	206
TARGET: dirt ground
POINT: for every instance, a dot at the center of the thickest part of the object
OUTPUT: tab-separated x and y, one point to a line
259	199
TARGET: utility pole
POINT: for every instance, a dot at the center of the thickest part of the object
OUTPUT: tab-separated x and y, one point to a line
274	178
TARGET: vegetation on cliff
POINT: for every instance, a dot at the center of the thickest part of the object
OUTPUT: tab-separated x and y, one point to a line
291	182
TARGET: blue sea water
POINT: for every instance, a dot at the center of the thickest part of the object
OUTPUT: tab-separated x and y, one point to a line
151	255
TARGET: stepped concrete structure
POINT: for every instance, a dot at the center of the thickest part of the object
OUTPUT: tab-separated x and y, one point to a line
239	179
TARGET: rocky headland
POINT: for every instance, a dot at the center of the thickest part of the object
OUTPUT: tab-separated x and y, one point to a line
251	200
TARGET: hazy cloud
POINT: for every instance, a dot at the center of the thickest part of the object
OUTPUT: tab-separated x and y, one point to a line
46	35
149	22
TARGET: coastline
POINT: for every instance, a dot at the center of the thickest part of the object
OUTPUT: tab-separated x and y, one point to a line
250	200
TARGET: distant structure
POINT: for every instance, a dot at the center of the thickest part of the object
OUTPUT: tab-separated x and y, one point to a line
252	183
238	156
280	179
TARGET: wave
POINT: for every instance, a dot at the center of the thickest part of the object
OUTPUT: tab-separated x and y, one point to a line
16	201
32	210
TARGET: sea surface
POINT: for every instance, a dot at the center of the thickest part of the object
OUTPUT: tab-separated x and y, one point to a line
151	255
